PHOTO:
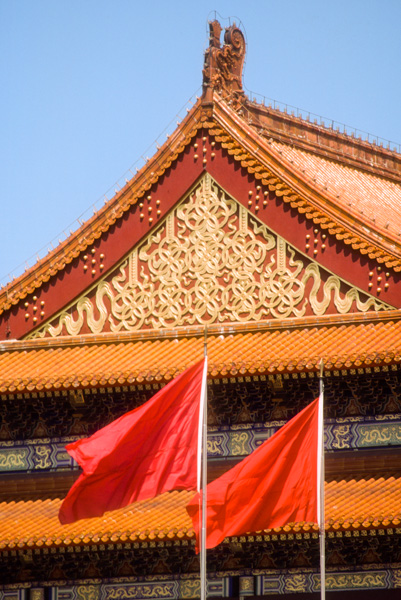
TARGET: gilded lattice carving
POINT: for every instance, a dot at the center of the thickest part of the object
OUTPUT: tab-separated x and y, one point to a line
210	261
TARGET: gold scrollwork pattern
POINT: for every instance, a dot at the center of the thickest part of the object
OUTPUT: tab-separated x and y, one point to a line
240	444
397	578
246	585
209	261
349	581
88	592
140	591
341	435
215	445
296	583
41	457
379	435
190	588
13	460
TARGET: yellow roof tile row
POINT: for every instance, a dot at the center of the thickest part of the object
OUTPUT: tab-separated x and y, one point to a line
35	523
272	347
350	505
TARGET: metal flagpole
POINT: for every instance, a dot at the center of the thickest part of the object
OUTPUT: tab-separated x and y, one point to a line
320	469
204	478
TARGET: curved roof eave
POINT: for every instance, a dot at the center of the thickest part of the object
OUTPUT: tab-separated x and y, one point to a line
323	208
59	258
287	347
258	156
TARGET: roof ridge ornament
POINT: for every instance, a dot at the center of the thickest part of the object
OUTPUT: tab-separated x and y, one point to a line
223	66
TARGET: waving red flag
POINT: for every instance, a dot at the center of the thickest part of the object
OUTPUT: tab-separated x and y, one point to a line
275	485
148	451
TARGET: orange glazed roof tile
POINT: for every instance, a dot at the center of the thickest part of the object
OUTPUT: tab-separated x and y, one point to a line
370	198
35	523
288	346
305	178
350	505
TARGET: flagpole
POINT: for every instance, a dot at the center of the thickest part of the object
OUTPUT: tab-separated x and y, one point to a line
204	481
321	486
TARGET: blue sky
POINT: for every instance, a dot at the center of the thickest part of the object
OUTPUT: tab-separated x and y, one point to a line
88	87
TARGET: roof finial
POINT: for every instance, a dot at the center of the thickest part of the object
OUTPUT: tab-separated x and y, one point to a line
223	65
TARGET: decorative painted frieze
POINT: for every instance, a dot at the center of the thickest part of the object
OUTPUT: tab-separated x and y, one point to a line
223	442
340	434
141	588
309	581
282	582
209	261
26	456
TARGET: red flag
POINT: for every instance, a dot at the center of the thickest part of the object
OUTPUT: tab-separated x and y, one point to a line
275	485
149	450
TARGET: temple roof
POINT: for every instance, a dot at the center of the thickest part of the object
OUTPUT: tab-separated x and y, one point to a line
347	188
287	346
351	505
315	200
353	200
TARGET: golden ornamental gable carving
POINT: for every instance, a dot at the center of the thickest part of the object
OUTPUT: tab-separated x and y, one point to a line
210	261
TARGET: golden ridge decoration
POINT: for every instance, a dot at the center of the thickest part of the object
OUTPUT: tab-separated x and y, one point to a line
209	261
